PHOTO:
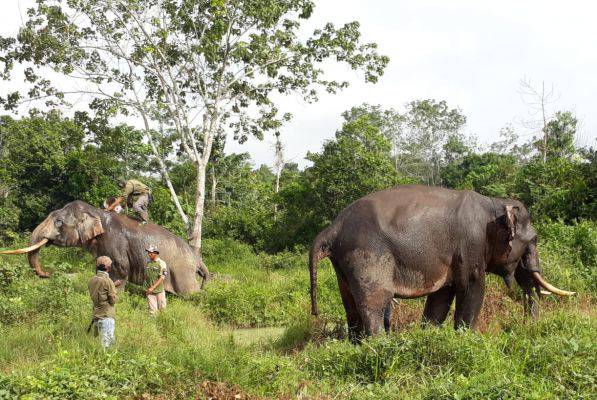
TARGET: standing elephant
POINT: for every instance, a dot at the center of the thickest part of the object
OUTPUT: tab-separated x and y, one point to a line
122	239
413	241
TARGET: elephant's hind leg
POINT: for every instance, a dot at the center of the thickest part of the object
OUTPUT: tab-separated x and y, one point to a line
373	304
355	324
438	305
372	313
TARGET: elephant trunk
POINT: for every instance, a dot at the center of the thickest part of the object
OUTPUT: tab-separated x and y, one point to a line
39	235
36	264
36	241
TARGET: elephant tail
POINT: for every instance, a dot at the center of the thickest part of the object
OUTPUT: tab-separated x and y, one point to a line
320	249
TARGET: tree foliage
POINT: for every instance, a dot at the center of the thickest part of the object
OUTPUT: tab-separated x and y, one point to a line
190	69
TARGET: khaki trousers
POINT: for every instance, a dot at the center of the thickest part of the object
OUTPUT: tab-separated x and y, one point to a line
156	302
140	206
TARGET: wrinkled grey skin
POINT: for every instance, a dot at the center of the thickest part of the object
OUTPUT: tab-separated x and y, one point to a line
413	241
122	239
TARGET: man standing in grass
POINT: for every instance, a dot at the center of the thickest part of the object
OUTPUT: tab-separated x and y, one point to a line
155	274
103	295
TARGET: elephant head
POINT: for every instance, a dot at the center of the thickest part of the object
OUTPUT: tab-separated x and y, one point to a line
75	225
515	254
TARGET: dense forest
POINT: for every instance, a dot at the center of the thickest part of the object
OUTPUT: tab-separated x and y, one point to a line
49	160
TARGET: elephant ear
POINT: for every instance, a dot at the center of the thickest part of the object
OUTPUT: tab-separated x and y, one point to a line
89	226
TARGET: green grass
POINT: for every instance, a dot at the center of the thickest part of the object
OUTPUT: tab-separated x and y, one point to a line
45	352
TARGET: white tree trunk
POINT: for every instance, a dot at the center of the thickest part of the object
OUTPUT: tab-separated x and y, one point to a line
197	227
164	173
196	230
214	184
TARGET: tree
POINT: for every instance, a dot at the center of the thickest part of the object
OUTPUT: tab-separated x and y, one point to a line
557	189
195	67
356	163
490	174
388	121
47	162
509	143
428	125
539	101
559	136
279	163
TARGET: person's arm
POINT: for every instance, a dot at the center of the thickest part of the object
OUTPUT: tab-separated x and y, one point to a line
163	272
116	202
112	294
155	284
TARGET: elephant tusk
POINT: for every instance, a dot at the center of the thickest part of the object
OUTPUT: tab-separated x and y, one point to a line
545	292
547	286
26	249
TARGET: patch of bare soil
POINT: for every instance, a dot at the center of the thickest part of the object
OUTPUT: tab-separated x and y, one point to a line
499	307
206	390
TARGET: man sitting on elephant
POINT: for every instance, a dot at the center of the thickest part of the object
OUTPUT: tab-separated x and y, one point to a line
155	274
136	193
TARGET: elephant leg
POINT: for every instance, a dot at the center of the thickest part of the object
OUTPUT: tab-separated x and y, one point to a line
373	308
387	316
372	320
468	303
355	325
438	305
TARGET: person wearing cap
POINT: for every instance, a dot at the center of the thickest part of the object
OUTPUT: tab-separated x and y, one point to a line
155	274
137	193
103	295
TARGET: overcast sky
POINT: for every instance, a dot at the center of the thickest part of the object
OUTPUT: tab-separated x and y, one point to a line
470	53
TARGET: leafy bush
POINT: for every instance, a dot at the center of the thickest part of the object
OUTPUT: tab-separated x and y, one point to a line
569	252
88	376
283	260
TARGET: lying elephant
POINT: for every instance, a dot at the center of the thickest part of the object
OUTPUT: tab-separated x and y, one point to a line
122	239
413	241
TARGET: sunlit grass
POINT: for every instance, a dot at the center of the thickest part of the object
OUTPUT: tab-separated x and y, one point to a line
46	353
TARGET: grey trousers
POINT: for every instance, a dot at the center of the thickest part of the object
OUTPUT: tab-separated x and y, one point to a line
140	206
105	327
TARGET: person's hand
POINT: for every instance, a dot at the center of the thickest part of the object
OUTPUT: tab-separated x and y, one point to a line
117	282
148	292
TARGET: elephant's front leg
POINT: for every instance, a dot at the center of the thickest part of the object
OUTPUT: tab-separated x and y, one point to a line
469	300
438	305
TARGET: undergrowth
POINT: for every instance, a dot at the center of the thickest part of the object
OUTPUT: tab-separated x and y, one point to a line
45	352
